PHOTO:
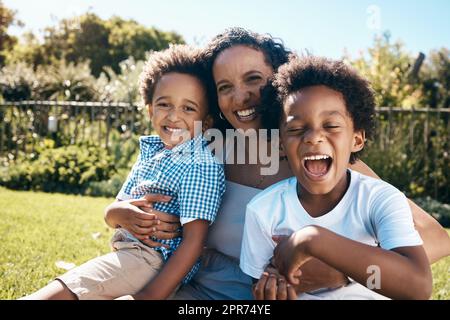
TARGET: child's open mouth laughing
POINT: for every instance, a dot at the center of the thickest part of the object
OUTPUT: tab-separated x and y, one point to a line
317	165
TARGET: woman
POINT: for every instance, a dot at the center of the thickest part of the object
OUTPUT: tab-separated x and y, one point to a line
241	64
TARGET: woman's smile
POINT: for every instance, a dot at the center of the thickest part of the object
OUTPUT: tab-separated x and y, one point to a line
246	115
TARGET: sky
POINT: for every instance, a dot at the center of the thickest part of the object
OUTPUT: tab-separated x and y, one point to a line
323	27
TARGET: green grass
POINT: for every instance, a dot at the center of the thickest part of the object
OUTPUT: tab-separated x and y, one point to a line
441	278
38	229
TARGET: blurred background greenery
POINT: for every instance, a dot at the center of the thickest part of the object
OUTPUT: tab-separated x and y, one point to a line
87	58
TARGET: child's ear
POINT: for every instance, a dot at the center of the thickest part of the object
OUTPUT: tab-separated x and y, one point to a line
207	123
359	139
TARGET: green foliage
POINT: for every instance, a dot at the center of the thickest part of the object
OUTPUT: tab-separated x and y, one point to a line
388	67
7	19
67	169
107	188
436	79
122	86
61	81
123	155
416	163
104	43
66	82
18	82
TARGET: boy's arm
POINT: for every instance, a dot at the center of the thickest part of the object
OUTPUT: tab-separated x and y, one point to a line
436	240
404	273
179	264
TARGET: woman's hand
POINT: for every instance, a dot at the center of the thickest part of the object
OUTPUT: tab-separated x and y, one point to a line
315	275
273	286
142	221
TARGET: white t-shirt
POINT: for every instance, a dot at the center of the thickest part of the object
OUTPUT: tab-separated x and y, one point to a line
371	212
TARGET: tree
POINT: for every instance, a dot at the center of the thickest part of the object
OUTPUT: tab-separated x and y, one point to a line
436	79
7	19
389	68
104	43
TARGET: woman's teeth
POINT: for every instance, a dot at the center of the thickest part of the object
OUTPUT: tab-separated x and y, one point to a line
246	115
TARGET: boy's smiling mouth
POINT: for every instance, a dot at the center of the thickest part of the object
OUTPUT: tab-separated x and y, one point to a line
172	130
317	165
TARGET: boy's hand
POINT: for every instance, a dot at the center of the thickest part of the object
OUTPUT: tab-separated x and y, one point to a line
290	254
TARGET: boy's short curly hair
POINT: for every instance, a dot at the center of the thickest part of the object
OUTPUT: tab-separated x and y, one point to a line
274	51
177	58
302	72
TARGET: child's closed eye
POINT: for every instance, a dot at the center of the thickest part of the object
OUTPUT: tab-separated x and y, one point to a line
295	130
332	126
190	109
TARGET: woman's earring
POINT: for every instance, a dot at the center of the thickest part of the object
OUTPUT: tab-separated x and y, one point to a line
221	116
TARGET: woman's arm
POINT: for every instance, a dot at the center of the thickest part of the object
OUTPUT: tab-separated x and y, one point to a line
436	240
141	220
403	273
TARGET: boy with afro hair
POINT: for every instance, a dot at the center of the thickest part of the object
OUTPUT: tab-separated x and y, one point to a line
175	164
359	225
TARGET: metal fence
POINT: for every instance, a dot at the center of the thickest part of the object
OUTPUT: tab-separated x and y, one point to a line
23	124
401	134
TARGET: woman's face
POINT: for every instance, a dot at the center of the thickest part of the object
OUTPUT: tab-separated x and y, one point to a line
239	73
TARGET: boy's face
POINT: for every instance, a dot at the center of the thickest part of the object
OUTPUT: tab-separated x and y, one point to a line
178	101
318	137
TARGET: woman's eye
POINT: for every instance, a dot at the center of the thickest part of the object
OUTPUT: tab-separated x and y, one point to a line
332	126
162	105
223	88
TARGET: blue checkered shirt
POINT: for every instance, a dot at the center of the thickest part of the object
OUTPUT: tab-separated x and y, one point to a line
189	173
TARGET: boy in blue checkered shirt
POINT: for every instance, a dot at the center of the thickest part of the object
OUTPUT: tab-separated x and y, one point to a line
175	164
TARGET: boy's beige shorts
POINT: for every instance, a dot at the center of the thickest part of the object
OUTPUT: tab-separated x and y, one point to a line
124	271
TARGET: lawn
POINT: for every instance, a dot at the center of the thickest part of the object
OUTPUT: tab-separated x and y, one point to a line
40	229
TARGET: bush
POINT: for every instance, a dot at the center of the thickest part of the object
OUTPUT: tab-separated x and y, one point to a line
400	156
124	154
17	82
107	188
66	169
